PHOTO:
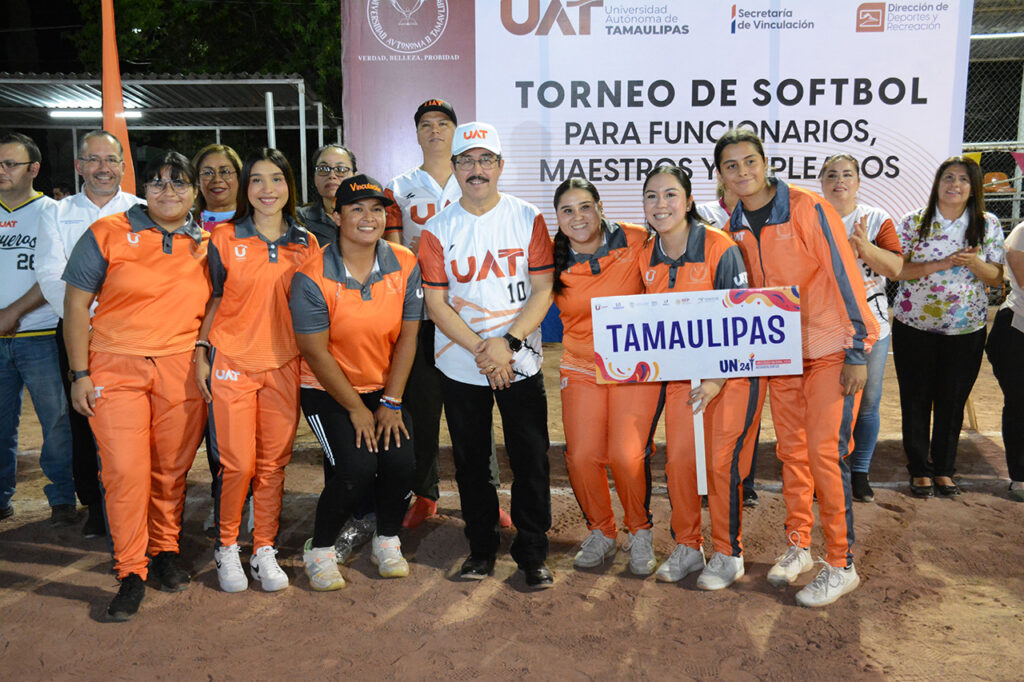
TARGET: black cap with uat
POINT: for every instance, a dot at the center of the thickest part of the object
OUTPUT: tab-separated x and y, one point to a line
357	188
435	105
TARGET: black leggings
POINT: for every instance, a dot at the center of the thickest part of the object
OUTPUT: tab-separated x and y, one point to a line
355	474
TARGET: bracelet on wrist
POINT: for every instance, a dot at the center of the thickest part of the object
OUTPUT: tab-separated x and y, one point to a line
390	405
203	344
391	399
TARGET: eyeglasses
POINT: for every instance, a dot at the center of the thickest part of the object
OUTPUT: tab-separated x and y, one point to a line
486	162
99	160
209	174
158	186
11	165
325	171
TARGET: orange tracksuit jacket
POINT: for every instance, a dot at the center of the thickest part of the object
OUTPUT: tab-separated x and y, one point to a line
804	243
731	421
606	425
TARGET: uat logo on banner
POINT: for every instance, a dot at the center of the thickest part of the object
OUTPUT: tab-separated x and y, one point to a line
555	12
407	26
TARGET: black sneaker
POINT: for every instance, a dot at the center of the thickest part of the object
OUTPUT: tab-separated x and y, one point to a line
476	568
750	498
170	577
862	491
63	515
126	603
539	578
6	512
94	526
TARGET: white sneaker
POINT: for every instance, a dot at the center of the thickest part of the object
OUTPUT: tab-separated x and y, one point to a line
594	550
682	562
264	567
789	566
722	570
830	584
387	557
230	574
321	568
641	552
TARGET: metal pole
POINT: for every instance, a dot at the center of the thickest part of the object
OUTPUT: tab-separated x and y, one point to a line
1015	207
302	140
217	133
319	125
74	147
271	136
337	135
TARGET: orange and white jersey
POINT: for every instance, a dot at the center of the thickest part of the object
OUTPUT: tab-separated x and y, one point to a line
484	263
252	277
882	233
418	198
151	285
609	271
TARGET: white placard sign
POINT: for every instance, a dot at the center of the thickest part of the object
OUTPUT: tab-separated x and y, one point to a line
694	335
697	335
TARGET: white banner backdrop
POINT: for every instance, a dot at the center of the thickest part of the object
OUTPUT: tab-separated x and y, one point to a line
697	335
606	89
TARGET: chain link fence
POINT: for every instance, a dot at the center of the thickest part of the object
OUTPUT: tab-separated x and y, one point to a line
994	117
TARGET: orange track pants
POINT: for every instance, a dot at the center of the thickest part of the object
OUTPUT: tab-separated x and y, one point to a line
148	422
813	425
731	422
253	418
609	425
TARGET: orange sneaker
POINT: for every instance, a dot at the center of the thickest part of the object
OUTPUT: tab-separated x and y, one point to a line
421	510
504	520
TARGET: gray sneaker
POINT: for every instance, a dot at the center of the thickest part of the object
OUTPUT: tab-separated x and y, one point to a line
641	552
354	534
830	584
722	570
595	549
789	566
682	562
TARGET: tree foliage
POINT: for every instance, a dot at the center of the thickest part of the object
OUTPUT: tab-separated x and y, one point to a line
223	37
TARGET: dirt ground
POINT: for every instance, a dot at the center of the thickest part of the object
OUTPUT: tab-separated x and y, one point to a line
940	597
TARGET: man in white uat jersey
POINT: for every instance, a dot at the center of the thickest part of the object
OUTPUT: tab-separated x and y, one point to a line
487	273
419	194
28	342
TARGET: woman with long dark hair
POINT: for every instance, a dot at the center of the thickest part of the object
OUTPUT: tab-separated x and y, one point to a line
792	237
685	253
606	425
953	251
247	364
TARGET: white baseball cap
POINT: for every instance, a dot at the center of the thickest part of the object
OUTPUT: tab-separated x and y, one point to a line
473	135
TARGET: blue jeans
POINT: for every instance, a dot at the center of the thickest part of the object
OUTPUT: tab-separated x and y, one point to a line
31	361
865	431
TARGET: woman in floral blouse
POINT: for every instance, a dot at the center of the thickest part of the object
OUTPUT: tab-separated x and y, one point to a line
952	250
